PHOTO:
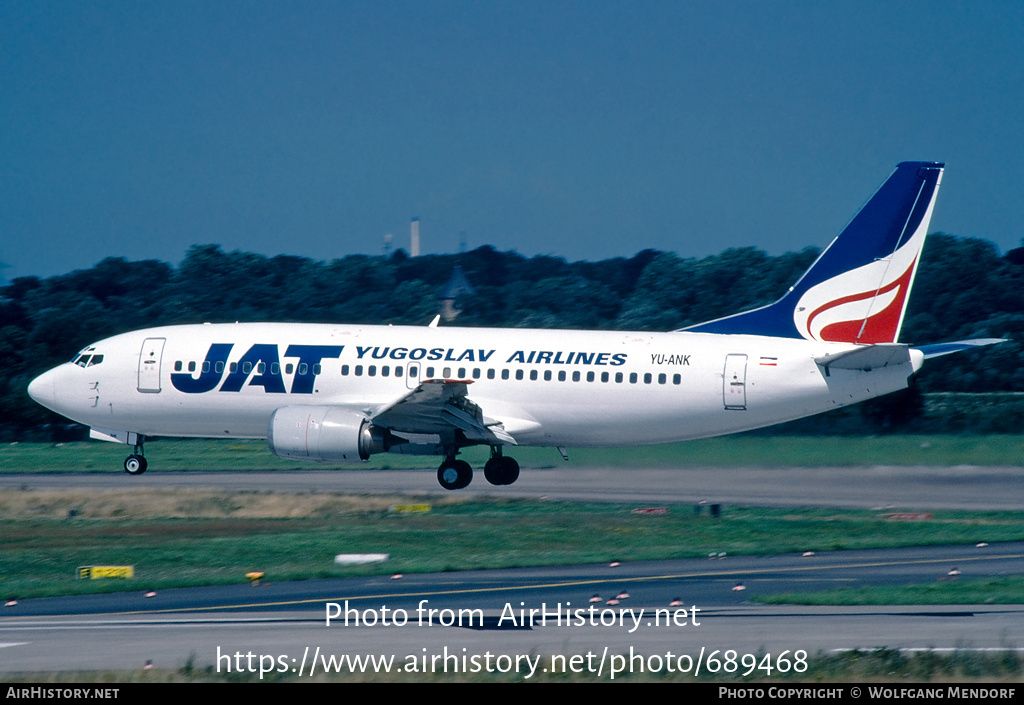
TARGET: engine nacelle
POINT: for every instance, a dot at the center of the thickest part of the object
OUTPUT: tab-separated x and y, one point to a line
324	433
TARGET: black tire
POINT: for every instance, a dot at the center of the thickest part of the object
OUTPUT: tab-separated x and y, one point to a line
510	470
501	470
135	464
492	471
454	474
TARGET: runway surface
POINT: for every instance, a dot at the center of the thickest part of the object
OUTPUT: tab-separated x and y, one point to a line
481	619
538	611
910	488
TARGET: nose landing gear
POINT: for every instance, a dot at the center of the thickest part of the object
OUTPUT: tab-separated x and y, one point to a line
135	464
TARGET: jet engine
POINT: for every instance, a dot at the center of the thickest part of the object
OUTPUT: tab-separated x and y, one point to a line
324	433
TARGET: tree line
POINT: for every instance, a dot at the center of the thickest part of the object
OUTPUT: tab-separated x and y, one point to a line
964	289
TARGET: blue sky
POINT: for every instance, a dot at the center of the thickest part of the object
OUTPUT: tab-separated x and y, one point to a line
586	130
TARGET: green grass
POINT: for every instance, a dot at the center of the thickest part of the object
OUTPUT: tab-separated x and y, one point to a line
192	538
731	451
238	533
1006	590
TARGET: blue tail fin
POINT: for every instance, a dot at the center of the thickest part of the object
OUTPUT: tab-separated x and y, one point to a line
857	290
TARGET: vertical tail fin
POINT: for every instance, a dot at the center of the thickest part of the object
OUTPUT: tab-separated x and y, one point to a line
857	290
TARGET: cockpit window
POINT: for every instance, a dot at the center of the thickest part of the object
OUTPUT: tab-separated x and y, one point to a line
86	358
77	359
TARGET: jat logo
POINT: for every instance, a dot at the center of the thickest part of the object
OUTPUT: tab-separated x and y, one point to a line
260	366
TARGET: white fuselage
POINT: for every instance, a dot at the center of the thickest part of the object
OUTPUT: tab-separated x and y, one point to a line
546	387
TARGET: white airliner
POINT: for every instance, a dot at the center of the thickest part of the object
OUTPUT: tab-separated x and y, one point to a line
344	392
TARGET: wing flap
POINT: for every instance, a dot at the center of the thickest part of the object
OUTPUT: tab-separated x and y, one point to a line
476	429
439	406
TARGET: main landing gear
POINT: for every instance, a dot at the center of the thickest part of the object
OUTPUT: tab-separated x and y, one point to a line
501	470
135	464
456	474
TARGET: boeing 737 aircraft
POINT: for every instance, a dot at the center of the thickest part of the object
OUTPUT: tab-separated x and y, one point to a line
344	392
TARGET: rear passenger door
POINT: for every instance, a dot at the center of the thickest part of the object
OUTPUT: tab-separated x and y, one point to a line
734	384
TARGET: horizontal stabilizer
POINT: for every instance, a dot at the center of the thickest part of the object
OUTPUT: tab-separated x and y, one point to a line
867	358
940	349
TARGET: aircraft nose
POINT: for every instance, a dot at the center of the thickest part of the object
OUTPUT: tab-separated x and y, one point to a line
41	389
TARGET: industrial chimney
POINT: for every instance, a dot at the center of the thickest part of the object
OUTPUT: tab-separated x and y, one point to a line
414	234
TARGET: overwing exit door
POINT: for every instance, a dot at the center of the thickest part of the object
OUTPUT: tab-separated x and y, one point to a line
412	375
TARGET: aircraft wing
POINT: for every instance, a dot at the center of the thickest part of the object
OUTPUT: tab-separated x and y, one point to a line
440	406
